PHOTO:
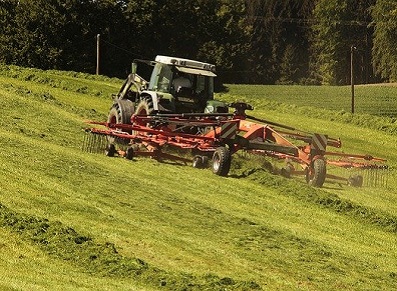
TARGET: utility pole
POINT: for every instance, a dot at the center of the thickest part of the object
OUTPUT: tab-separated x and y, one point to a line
98	51
352	49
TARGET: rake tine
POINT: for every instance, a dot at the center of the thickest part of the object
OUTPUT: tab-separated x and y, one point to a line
91	141
372	175
98	143
86	141
94	142
377	176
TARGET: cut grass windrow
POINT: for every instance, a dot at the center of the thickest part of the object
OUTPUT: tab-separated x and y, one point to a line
103	259
320	197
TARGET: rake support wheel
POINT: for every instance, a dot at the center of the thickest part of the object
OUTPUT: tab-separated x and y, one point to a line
110	150
129	153
316	173
221	161
200	162
355	181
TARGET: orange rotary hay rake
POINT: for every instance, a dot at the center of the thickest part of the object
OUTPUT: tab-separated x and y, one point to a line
210	140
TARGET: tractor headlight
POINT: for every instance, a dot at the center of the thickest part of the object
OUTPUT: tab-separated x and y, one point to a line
209	109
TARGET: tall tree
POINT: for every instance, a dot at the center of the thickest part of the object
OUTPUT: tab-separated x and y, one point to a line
339	25
279	46
200	29
7	30
59	34
34	32
385	39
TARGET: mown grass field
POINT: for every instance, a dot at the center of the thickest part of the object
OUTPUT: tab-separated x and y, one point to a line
368	99
72	220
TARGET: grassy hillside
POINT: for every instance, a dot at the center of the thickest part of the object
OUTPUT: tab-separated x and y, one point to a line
72	220
369	99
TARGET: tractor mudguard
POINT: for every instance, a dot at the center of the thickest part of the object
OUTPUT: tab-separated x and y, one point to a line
153	96
161	101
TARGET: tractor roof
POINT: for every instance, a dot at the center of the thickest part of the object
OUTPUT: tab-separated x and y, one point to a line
188	66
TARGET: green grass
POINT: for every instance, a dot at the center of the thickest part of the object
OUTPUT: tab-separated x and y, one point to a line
369	99
146	225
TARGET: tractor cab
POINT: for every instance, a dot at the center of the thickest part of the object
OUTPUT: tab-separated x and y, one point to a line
176	86
183	85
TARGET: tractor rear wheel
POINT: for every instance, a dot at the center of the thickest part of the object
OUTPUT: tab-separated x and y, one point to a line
221	161
315	175
120	113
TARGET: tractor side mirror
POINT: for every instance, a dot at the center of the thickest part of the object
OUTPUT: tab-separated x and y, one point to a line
134	67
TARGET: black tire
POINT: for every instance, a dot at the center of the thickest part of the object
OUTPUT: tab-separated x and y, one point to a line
200	162
129	153
197	162
315	176
221	161
120	113
145	106
205	161
110	150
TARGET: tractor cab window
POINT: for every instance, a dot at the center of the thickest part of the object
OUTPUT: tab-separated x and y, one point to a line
161	78
204	87
198	86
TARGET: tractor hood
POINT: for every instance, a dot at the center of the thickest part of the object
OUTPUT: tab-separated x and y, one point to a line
195	71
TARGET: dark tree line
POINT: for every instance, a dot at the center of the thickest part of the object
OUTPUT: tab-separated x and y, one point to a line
250	41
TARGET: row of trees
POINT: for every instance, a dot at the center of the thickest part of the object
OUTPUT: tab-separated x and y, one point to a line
250	41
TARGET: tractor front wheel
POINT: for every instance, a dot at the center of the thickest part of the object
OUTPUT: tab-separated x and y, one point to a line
144	107
221	161
315	175
121	112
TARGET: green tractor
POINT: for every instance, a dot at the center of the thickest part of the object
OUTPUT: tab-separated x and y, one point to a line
176	86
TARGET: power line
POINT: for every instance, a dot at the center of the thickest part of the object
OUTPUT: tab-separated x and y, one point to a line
122	49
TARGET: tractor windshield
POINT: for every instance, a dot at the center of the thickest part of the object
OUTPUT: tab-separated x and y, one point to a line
202	82
161	78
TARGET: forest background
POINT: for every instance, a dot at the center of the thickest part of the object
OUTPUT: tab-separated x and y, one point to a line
250	41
